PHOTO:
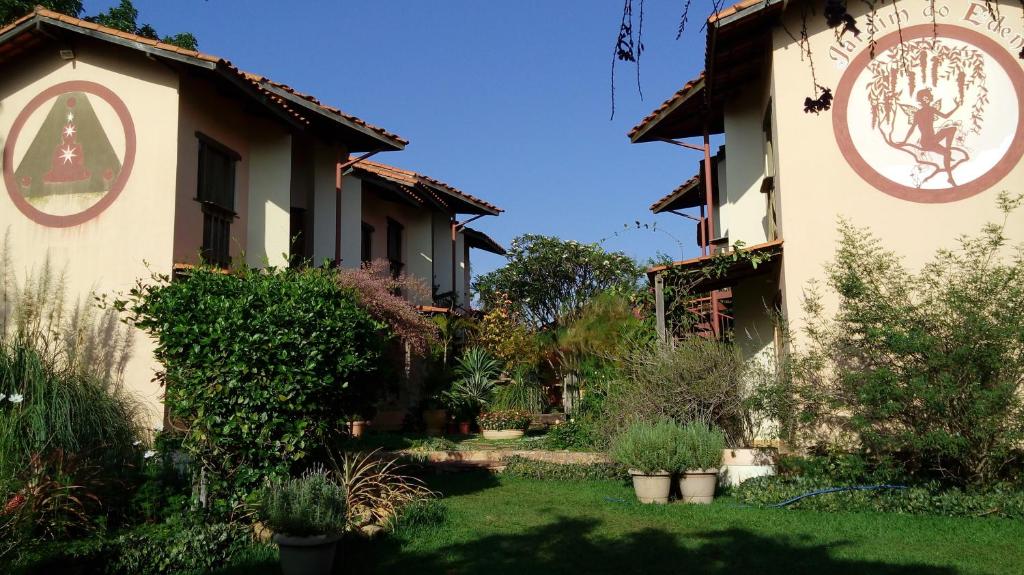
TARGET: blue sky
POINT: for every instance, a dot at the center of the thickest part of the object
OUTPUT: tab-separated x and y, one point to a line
505	99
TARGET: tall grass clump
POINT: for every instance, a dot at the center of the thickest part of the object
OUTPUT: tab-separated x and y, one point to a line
68	434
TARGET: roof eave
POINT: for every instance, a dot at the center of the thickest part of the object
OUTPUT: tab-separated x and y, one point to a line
470	206
37	19
386	144
641	135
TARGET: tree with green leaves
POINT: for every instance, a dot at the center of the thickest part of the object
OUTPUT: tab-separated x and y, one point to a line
123	17
924	367
549	280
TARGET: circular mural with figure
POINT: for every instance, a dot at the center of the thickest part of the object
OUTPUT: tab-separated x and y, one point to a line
69	153
934	118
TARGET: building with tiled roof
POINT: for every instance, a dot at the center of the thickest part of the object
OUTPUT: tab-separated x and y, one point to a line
418	224
924	129
125	156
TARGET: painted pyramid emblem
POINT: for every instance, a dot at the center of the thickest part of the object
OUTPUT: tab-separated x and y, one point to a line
69	154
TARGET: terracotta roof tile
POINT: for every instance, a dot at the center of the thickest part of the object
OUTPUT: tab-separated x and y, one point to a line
685	186
254	80
682	94
409	177
325	107
737	7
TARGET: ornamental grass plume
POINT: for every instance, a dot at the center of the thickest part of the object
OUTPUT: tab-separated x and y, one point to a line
381	293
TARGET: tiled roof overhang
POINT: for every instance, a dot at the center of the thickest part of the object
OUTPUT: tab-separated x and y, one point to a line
42	27
479	240
689	194
738	45
437	192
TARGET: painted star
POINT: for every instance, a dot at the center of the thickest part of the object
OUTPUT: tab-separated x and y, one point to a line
69	131
71	116
67	154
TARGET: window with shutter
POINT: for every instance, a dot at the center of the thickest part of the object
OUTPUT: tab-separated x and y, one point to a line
216	194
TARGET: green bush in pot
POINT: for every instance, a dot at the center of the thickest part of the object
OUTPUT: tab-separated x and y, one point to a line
700	458
308	515
652	453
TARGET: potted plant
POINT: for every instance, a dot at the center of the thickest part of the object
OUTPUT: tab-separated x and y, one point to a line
701	456
434	416
651	452
308	516
508	424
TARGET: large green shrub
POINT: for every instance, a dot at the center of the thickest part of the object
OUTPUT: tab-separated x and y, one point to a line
262	366
649	447
576	434
695	379
925	367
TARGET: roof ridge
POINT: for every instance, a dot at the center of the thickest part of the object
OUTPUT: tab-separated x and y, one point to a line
255	79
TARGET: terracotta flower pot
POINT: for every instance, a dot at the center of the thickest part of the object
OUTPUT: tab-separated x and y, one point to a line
358	428
312	555
465	427
502	433
741	464
435	420
698	485
651	488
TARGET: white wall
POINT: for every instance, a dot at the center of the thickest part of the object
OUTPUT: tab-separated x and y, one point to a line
270	180
325	193
744	212
351	221
133	237
442	252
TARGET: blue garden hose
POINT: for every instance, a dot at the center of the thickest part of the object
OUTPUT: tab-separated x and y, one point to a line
835	490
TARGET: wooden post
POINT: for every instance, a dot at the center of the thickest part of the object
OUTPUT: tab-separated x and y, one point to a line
659	306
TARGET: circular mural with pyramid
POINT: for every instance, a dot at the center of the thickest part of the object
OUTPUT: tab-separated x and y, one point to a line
69	153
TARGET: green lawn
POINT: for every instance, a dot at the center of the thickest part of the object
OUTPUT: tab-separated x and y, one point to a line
516	526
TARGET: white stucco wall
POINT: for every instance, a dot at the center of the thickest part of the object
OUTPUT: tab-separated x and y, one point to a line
133	236
818	185
270	180
442	233
325	181
744	210
351	221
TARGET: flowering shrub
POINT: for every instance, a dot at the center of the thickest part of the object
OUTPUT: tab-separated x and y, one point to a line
502	420
381	294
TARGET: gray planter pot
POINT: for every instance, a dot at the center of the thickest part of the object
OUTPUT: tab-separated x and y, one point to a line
698	485
651	488
313	555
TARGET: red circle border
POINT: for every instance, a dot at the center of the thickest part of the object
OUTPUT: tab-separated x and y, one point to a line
51	220
842	132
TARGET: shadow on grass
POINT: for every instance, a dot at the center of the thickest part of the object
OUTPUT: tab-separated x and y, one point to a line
460	483
569	545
